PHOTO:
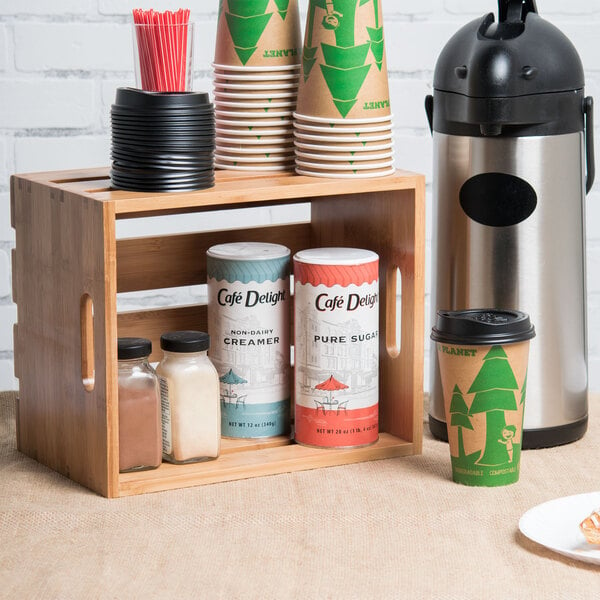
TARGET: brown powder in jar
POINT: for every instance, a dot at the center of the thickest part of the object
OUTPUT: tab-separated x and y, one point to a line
140	433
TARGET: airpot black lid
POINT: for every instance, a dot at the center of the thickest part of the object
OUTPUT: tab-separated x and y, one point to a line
518	54
185	341
485	326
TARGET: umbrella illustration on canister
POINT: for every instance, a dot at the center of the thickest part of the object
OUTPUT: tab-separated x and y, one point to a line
331	385
232	378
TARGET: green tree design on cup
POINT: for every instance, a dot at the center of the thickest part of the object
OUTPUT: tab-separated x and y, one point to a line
459	417
494	394
345	65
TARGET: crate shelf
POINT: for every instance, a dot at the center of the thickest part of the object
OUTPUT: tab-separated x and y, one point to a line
68	267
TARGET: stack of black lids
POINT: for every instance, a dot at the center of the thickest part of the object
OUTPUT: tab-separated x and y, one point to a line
162	141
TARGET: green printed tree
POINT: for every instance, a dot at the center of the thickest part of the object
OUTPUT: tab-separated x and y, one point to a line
344	70
247	21
459	417
524	390
494	388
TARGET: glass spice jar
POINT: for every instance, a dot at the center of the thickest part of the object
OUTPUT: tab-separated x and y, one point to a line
191	412
140	436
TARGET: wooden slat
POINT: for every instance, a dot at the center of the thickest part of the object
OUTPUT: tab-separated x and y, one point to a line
178	260
268	461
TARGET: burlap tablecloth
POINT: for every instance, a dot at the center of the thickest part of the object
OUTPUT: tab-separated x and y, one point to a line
395	528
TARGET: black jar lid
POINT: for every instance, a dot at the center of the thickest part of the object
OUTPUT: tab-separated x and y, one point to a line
485	326
185	341
131	347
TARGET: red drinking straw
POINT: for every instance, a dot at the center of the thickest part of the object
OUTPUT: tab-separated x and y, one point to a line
162	48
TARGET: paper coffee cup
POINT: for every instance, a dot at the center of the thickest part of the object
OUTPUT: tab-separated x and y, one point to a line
249	113
247	69
243	150
266	140
260	77
256	105
348	165
483	357
351	147
343	129
255	167
347	138
249	159
346	157
258	33
346	174
344	69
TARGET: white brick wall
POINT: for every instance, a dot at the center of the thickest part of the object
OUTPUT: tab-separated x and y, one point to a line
61	61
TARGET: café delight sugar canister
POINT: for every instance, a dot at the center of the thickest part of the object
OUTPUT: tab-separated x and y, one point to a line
248	321
336	347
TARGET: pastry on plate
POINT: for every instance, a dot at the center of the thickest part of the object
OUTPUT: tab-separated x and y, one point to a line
590	527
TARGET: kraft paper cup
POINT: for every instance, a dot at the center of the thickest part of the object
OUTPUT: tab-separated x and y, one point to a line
243	150
266	87
483	356
351	147
333	122
248	113
258	33
347	175
257	105
326	157
344	129
259	78
262	159
265	140
269	121
347	138
344	68
349	165
268	167
255	132
248	70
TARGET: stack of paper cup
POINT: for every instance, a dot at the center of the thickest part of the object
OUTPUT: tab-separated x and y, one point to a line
343	121
256	76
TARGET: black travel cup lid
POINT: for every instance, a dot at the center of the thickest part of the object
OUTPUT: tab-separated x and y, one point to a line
185	341
130	347
143	100
485	326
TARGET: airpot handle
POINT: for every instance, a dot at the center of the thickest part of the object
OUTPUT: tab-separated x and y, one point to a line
515	10
588	109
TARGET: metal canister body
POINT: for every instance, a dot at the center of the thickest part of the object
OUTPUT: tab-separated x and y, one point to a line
248	321
336	347
536	265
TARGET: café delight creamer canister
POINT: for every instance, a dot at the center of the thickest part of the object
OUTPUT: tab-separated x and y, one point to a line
336	347
248	322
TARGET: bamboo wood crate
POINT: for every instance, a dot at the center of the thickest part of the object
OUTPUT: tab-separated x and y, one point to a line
68	267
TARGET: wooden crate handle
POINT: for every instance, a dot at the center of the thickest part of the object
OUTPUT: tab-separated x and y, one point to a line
88	373
391	311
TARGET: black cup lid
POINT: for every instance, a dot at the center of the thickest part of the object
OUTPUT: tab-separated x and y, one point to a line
185	341
134	98
485	326
130	347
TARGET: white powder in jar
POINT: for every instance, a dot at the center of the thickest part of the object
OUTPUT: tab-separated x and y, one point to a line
190	398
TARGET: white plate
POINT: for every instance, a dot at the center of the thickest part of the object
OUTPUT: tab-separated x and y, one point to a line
555	524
